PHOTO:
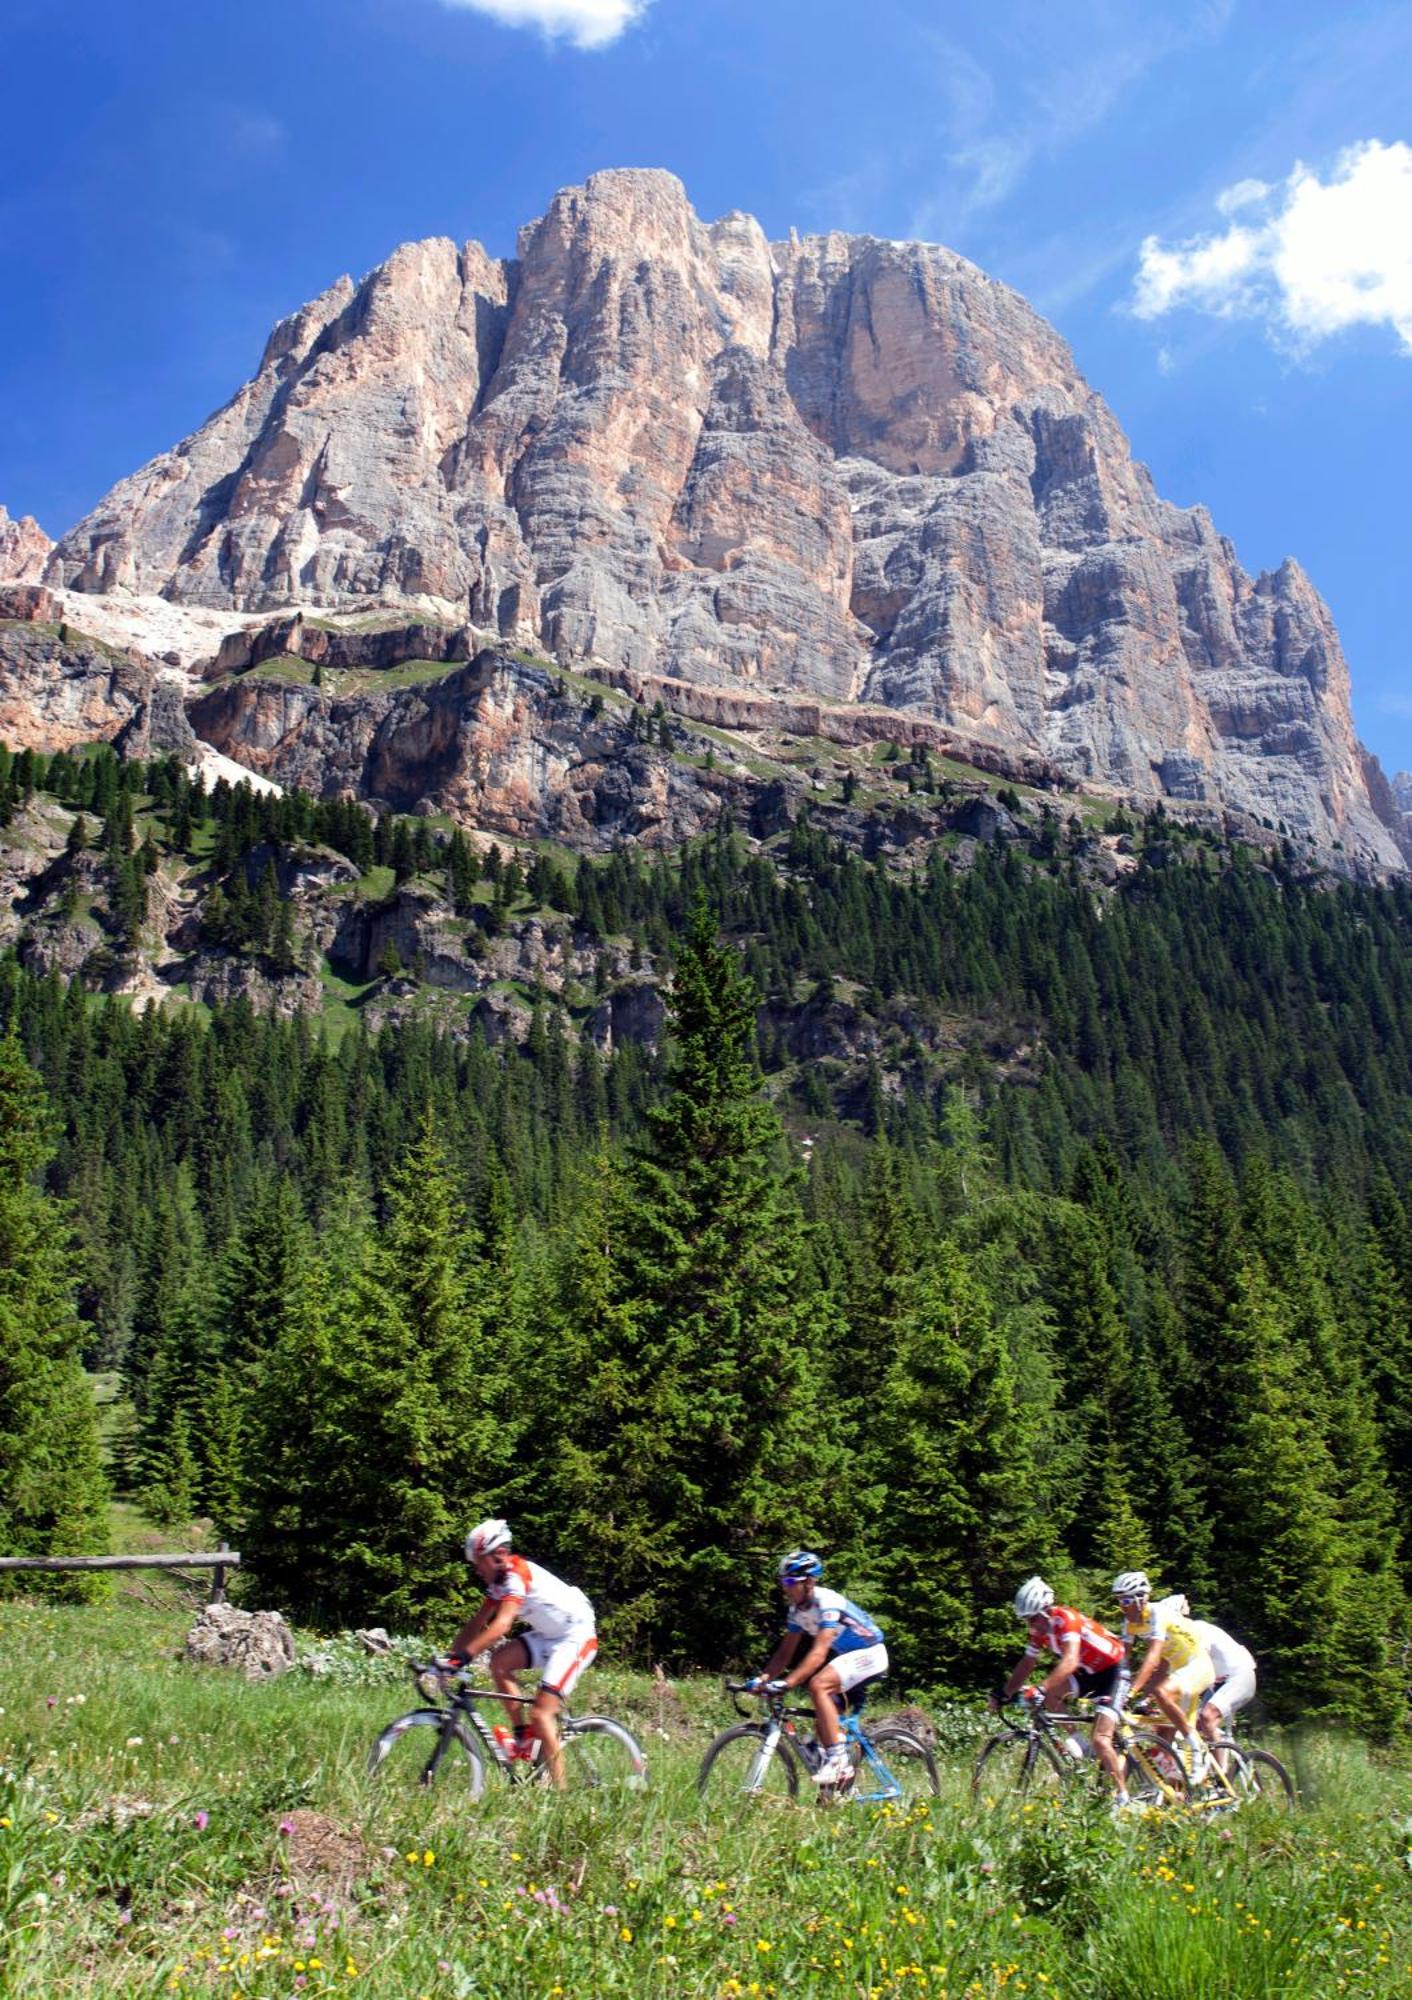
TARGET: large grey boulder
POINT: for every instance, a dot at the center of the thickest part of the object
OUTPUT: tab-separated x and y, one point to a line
258	1643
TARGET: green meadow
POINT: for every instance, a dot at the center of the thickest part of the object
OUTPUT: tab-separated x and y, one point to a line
171	1829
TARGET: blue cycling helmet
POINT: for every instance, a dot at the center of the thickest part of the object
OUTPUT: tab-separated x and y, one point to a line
800	1563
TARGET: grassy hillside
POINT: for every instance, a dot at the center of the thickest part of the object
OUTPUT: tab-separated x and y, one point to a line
169	1829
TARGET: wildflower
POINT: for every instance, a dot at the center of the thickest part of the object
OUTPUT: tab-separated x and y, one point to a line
134	1743
201	1821
428	1859
286	1826
625	1934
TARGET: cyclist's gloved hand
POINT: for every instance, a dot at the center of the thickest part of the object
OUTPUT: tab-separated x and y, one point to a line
1028	1698
776	1687
755	1683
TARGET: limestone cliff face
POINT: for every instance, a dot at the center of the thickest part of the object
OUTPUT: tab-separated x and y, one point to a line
24	549
838	467
497	744
60	688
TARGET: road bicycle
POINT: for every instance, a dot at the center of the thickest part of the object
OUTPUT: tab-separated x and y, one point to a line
1228	1774
598	1753
1048	1751
770	1758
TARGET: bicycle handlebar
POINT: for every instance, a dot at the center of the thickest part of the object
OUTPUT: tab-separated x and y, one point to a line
459	1677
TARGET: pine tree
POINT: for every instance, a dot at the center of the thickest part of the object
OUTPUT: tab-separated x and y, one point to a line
171	1472
1281	1561
293	1530
53	1497
727	1442
953	1451
413	1403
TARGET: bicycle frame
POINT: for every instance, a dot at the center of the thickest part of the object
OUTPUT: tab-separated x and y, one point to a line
883	1787
461	1699
1045	1732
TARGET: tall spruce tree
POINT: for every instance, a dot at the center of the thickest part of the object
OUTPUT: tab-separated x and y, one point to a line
417	1421
726	1445
952	1451
292	1473
53	1497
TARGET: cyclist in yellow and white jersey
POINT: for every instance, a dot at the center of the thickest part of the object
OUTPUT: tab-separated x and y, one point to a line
1176	1668
1234	1686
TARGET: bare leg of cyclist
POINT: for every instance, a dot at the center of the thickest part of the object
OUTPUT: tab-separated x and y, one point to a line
1212	1724
544	1721
823	1692
1104	1751
1179	1708
506	1662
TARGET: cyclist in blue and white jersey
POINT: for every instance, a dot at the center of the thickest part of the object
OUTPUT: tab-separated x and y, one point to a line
845	1648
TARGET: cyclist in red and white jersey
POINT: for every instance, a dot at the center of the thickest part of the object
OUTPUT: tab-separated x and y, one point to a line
560	1638
1088	1660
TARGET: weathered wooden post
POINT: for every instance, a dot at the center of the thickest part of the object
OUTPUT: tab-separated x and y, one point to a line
218	1582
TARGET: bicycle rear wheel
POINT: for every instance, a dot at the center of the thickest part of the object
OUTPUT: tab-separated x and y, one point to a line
423	1760
1255	1776
602	1755
736	1765
1017	1760
906	1764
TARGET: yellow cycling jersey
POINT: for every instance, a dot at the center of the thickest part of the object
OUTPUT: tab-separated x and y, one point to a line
1163	1625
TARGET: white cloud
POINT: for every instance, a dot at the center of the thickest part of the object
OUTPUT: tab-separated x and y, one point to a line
588	24
1310	257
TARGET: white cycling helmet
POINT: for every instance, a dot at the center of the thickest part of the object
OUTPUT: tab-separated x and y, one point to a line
1032	1598
1132	1583
486	1537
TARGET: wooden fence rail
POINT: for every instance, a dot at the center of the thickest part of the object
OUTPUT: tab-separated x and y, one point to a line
222	1560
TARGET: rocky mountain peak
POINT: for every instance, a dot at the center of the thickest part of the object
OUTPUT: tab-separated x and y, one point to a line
24	549
833	467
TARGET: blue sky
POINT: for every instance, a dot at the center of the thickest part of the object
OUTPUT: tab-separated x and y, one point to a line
1212	201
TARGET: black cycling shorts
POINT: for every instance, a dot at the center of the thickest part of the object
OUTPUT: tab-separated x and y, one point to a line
1107	1686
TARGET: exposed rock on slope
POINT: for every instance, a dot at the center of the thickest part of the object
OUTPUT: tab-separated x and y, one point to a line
841	467
498	744
24	549
60	688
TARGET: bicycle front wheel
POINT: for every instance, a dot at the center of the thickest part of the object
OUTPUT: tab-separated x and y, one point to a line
451	1752
600	1755
900	1764
1255	1776
1018	1760
740	1762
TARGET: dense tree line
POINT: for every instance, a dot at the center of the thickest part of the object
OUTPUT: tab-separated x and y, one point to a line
1148	1305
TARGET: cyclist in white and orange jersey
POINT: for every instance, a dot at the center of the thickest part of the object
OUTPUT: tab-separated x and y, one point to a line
1088	1660
559	1640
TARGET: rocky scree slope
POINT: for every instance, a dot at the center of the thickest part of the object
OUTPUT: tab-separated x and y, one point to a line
854	469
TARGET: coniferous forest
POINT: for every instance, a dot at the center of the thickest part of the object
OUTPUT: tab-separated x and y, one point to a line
1127	1281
